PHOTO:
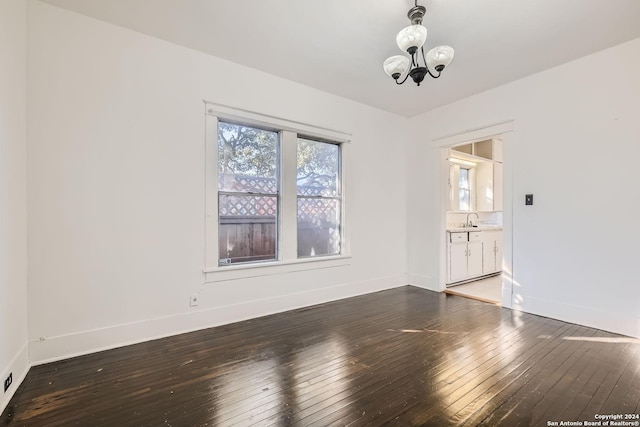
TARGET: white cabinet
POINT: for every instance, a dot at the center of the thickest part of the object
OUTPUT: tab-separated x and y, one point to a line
473	254
474	259
465	256
485	187
489	187
457	262
491	252
497	187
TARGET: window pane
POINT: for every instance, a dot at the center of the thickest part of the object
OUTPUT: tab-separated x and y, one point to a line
247	228
318	227
464	178
247	159
318	168
465	202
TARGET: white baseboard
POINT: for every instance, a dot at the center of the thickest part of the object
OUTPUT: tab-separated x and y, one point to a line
425	282
91	341
65	346
616	322
19	367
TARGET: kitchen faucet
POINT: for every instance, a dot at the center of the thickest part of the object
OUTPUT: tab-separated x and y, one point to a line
469	223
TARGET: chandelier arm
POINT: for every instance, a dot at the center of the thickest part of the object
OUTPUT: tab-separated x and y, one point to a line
405	78
424	59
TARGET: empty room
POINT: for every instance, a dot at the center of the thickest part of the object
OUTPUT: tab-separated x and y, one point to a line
330	213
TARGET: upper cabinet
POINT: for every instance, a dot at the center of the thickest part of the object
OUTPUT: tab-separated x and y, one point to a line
475	176
497	185
488	149
485	187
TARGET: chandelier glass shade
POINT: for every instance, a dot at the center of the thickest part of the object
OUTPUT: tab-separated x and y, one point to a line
412	36
411	39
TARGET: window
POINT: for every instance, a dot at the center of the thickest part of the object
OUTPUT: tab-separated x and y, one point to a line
319	198
273	196
465	190
248	193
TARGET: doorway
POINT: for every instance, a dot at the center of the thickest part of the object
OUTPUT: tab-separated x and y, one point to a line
474	234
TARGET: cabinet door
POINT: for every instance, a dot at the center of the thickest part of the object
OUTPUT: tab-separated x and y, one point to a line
484	187
488	256
490	240
474	259
497	187
457	262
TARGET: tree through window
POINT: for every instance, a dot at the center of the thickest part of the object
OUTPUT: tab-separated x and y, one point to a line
248	193
319	198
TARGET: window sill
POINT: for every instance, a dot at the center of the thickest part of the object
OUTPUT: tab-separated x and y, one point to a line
270	268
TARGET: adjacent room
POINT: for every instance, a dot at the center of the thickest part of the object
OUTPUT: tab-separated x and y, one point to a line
282	212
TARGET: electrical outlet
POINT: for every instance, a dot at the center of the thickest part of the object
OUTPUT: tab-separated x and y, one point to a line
194	300
8	381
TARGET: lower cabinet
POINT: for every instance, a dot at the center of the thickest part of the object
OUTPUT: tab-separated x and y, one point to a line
473	254
465	259
491	252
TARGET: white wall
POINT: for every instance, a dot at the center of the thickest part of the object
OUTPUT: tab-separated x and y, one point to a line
116	188
13	195
576	147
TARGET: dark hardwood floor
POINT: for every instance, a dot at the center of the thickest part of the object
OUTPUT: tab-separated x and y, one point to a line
401	357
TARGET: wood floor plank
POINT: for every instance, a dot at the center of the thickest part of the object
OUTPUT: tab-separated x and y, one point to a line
614	369
626	392
400	357
557	383
473	412
531	387
459	394
407	375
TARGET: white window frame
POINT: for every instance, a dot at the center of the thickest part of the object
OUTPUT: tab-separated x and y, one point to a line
287	257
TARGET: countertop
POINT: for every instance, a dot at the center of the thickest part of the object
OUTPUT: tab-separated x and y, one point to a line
478	228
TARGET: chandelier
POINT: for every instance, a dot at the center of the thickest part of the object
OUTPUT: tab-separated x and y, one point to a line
411	40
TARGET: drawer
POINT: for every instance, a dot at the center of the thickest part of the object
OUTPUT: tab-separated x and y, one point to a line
459	237
475	236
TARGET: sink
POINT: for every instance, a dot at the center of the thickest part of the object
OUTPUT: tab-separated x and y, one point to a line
475	228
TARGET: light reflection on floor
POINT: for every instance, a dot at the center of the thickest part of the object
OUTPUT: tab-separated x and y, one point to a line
325	374
260	379
261	389
608	340
489	353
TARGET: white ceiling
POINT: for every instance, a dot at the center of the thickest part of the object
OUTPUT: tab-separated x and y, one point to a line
339	45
